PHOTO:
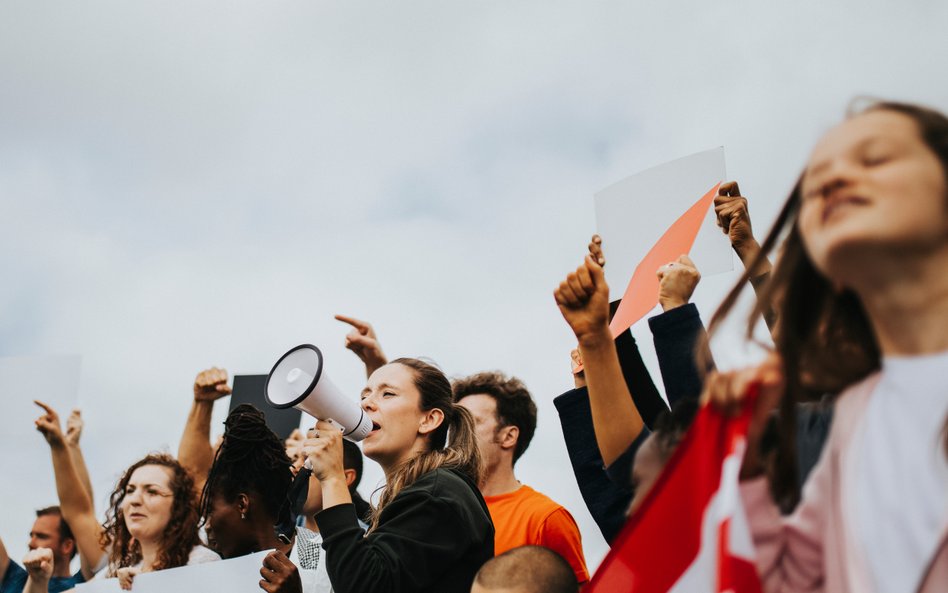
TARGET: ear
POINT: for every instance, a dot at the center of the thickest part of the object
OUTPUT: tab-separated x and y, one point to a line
243	503
67	546
509	435
431	421
350	476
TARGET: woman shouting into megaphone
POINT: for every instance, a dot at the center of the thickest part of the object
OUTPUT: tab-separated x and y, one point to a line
431	530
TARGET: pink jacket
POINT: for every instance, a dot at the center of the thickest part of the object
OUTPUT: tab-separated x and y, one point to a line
814	549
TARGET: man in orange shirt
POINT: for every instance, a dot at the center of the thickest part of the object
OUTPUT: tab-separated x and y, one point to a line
506	418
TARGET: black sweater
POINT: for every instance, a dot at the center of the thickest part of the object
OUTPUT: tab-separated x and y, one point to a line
433	537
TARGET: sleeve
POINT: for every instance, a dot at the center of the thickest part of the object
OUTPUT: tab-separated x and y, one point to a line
620	472
14	579
561	534
647	399
789	549
677	334
605	500
418	534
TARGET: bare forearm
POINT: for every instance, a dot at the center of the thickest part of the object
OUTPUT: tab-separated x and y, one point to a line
33	586
76	505
616	420
80	463
195	452
748	253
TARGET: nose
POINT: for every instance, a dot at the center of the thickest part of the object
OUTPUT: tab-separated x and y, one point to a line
838	176
368	403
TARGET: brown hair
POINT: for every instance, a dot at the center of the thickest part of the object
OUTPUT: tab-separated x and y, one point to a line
452	445
515	407
823	335
180	535
64	531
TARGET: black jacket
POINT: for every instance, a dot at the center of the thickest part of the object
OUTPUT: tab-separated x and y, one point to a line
433	537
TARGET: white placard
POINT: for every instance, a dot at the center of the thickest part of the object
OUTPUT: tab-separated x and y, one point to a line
236	575
634	213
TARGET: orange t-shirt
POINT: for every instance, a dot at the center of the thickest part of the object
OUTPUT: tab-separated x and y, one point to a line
526	517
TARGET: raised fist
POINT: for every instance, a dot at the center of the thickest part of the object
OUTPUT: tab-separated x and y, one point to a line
583	298
676	282
39	564
733	218
74	426
211	385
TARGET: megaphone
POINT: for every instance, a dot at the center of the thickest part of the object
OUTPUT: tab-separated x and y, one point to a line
297	380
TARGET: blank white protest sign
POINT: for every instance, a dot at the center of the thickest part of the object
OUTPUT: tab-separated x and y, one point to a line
632	214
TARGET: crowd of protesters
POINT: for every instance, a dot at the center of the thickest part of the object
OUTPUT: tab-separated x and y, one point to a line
844	478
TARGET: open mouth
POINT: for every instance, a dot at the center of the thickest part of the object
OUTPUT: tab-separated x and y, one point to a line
375	428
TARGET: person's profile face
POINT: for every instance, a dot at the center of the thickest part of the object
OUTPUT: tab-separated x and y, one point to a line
45	533
872	185
147	502
483	409
646	468
227	533
392	402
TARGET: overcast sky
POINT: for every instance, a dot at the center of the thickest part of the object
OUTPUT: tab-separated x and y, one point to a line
187	184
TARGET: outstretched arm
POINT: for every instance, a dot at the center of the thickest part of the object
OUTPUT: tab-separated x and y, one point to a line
74	426
74	500
583	299
734	219
364	343
195	452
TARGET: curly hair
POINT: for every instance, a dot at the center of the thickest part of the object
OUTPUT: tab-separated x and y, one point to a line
515	407
180	535
251	459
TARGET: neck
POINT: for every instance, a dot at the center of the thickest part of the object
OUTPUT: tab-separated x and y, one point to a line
150	552
499	479
907	304
61	567
389	467
267	539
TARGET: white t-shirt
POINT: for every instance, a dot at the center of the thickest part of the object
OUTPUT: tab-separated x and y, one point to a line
901	494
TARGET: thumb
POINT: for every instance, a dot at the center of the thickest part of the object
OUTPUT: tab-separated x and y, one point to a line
684	259
595	270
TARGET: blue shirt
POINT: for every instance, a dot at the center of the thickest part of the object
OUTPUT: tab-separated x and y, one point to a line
15	579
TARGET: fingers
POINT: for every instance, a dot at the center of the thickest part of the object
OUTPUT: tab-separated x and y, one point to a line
729	188
684	259
595	250
49	411
362	326
356	340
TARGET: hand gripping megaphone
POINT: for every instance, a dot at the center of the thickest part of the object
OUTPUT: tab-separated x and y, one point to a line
298	380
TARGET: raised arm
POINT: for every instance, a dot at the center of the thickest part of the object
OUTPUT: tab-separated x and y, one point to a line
678	332
74	500
39	568
195	452
734	219
364	343
74	426
583	299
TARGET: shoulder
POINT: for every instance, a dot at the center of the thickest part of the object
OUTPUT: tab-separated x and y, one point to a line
14	579
201	554
442	482
540	503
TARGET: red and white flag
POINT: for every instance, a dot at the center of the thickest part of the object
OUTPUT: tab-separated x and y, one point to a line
690	534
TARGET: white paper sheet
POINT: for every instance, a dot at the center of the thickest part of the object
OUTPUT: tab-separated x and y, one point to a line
237	575
634	213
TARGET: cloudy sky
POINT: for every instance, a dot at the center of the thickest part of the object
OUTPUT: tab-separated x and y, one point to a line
187	184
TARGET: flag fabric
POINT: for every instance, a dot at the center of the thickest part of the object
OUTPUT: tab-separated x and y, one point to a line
690	533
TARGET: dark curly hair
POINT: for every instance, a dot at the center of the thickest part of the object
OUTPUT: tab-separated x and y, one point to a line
251	459
180	535
515	407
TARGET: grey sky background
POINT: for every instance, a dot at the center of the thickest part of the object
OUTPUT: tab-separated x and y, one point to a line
189	184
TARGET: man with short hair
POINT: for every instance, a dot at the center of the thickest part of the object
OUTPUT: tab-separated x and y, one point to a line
527	569
49	531
505	419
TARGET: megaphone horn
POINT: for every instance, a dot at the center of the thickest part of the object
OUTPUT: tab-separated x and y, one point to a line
297	380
